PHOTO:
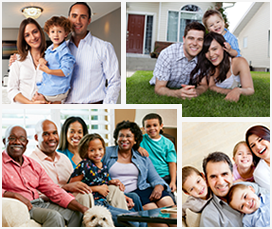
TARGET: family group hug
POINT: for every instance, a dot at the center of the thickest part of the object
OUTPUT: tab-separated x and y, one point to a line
83	69
203	61
232	195
64	177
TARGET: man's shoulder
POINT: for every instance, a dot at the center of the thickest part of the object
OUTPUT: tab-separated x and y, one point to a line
173	48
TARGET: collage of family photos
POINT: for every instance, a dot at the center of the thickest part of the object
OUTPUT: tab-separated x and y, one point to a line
102	102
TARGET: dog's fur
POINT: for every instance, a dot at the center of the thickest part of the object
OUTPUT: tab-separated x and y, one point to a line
98	216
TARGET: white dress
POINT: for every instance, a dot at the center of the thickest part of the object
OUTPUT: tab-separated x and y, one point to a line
23	78
262	174
231	82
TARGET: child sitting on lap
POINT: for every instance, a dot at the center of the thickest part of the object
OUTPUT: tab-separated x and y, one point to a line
256	208
94	173
57	75
194	184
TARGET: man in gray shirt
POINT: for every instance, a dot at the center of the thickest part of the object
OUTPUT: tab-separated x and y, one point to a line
218	171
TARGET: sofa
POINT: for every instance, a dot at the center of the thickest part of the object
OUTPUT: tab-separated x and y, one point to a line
15	214
192	218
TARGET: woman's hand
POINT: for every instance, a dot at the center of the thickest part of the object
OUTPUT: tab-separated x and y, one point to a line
233	95
130	202
117	182
157	193
12	59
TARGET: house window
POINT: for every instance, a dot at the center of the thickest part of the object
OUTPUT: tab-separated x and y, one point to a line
177	21
245	42
148	34
99	121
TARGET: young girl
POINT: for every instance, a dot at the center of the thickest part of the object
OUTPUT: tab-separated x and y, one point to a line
194	184
243	168
60	62
94	173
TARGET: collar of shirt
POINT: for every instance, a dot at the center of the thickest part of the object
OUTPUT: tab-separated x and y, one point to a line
44	157
59	48
7	159
181	55
88	39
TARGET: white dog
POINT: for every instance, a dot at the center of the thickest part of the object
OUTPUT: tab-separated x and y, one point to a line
98	216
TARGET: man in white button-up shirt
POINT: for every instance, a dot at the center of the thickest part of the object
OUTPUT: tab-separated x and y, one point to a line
96	62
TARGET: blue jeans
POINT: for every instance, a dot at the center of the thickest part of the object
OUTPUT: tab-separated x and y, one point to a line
115	212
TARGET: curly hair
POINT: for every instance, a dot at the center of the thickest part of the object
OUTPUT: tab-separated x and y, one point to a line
64	129
84	144
204	68
134	128
58	21
260	131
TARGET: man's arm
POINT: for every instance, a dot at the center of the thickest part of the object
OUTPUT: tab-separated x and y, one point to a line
188	91
18	197
75	206
111	71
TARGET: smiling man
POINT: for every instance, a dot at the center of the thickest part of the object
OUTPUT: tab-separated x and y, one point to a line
218	168
23	177
96	62
175	63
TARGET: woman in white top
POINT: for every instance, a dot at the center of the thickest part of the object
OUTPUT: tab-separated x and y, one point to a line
24	73
223	74
258	140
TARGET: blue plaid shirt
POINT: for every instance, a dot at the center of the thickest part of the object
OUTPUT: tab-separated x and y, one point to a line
232	40
173	66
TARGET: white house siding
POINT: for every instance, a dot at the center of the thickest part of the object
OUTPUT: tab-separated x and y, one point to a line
256	32
166	6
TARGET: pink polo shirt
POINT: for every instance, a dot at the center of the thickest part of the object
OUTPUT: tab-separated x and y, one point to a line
30	178
58	170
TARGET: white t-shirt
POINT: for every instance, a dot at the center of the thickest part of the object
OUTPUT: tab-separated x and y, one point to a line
262	174
23	78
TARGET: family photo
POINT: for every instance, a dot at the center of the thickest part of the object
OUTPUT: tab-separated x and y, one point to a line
226	174
198	60
64	53
101	167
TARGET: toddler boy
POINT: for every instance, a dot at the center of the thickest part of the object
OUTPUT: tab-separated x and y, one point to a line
57	75
214	22
161	150
256	208
194	184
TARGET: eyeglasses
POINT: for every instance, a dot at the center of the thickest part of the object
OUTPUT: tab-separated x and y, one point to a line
21	139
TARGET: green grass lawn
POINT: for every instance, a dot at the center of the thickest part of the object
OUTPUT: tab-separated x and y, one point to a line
209	104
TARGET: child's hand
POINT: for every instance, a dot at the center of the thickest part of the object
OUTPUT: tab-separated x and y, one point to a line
173	186
117	182
38	97
42	61
103	190
227	47
12	59
44	68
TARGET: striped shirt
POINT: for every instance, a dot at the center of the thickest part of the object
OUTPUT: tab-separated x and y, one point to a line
173	66
232	40
96	62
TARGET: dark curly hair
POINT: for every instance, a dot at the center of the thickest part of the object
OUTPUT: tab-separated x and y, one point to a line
262	132
84	144
204	68
134	128
64	129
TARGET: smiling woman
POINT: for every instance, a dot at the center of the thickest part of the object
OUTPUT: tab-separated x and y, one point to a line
24	74
222	73
258	140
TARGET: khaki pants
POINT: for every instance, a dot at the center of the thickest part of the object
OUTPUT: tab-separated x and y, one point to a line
115	198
